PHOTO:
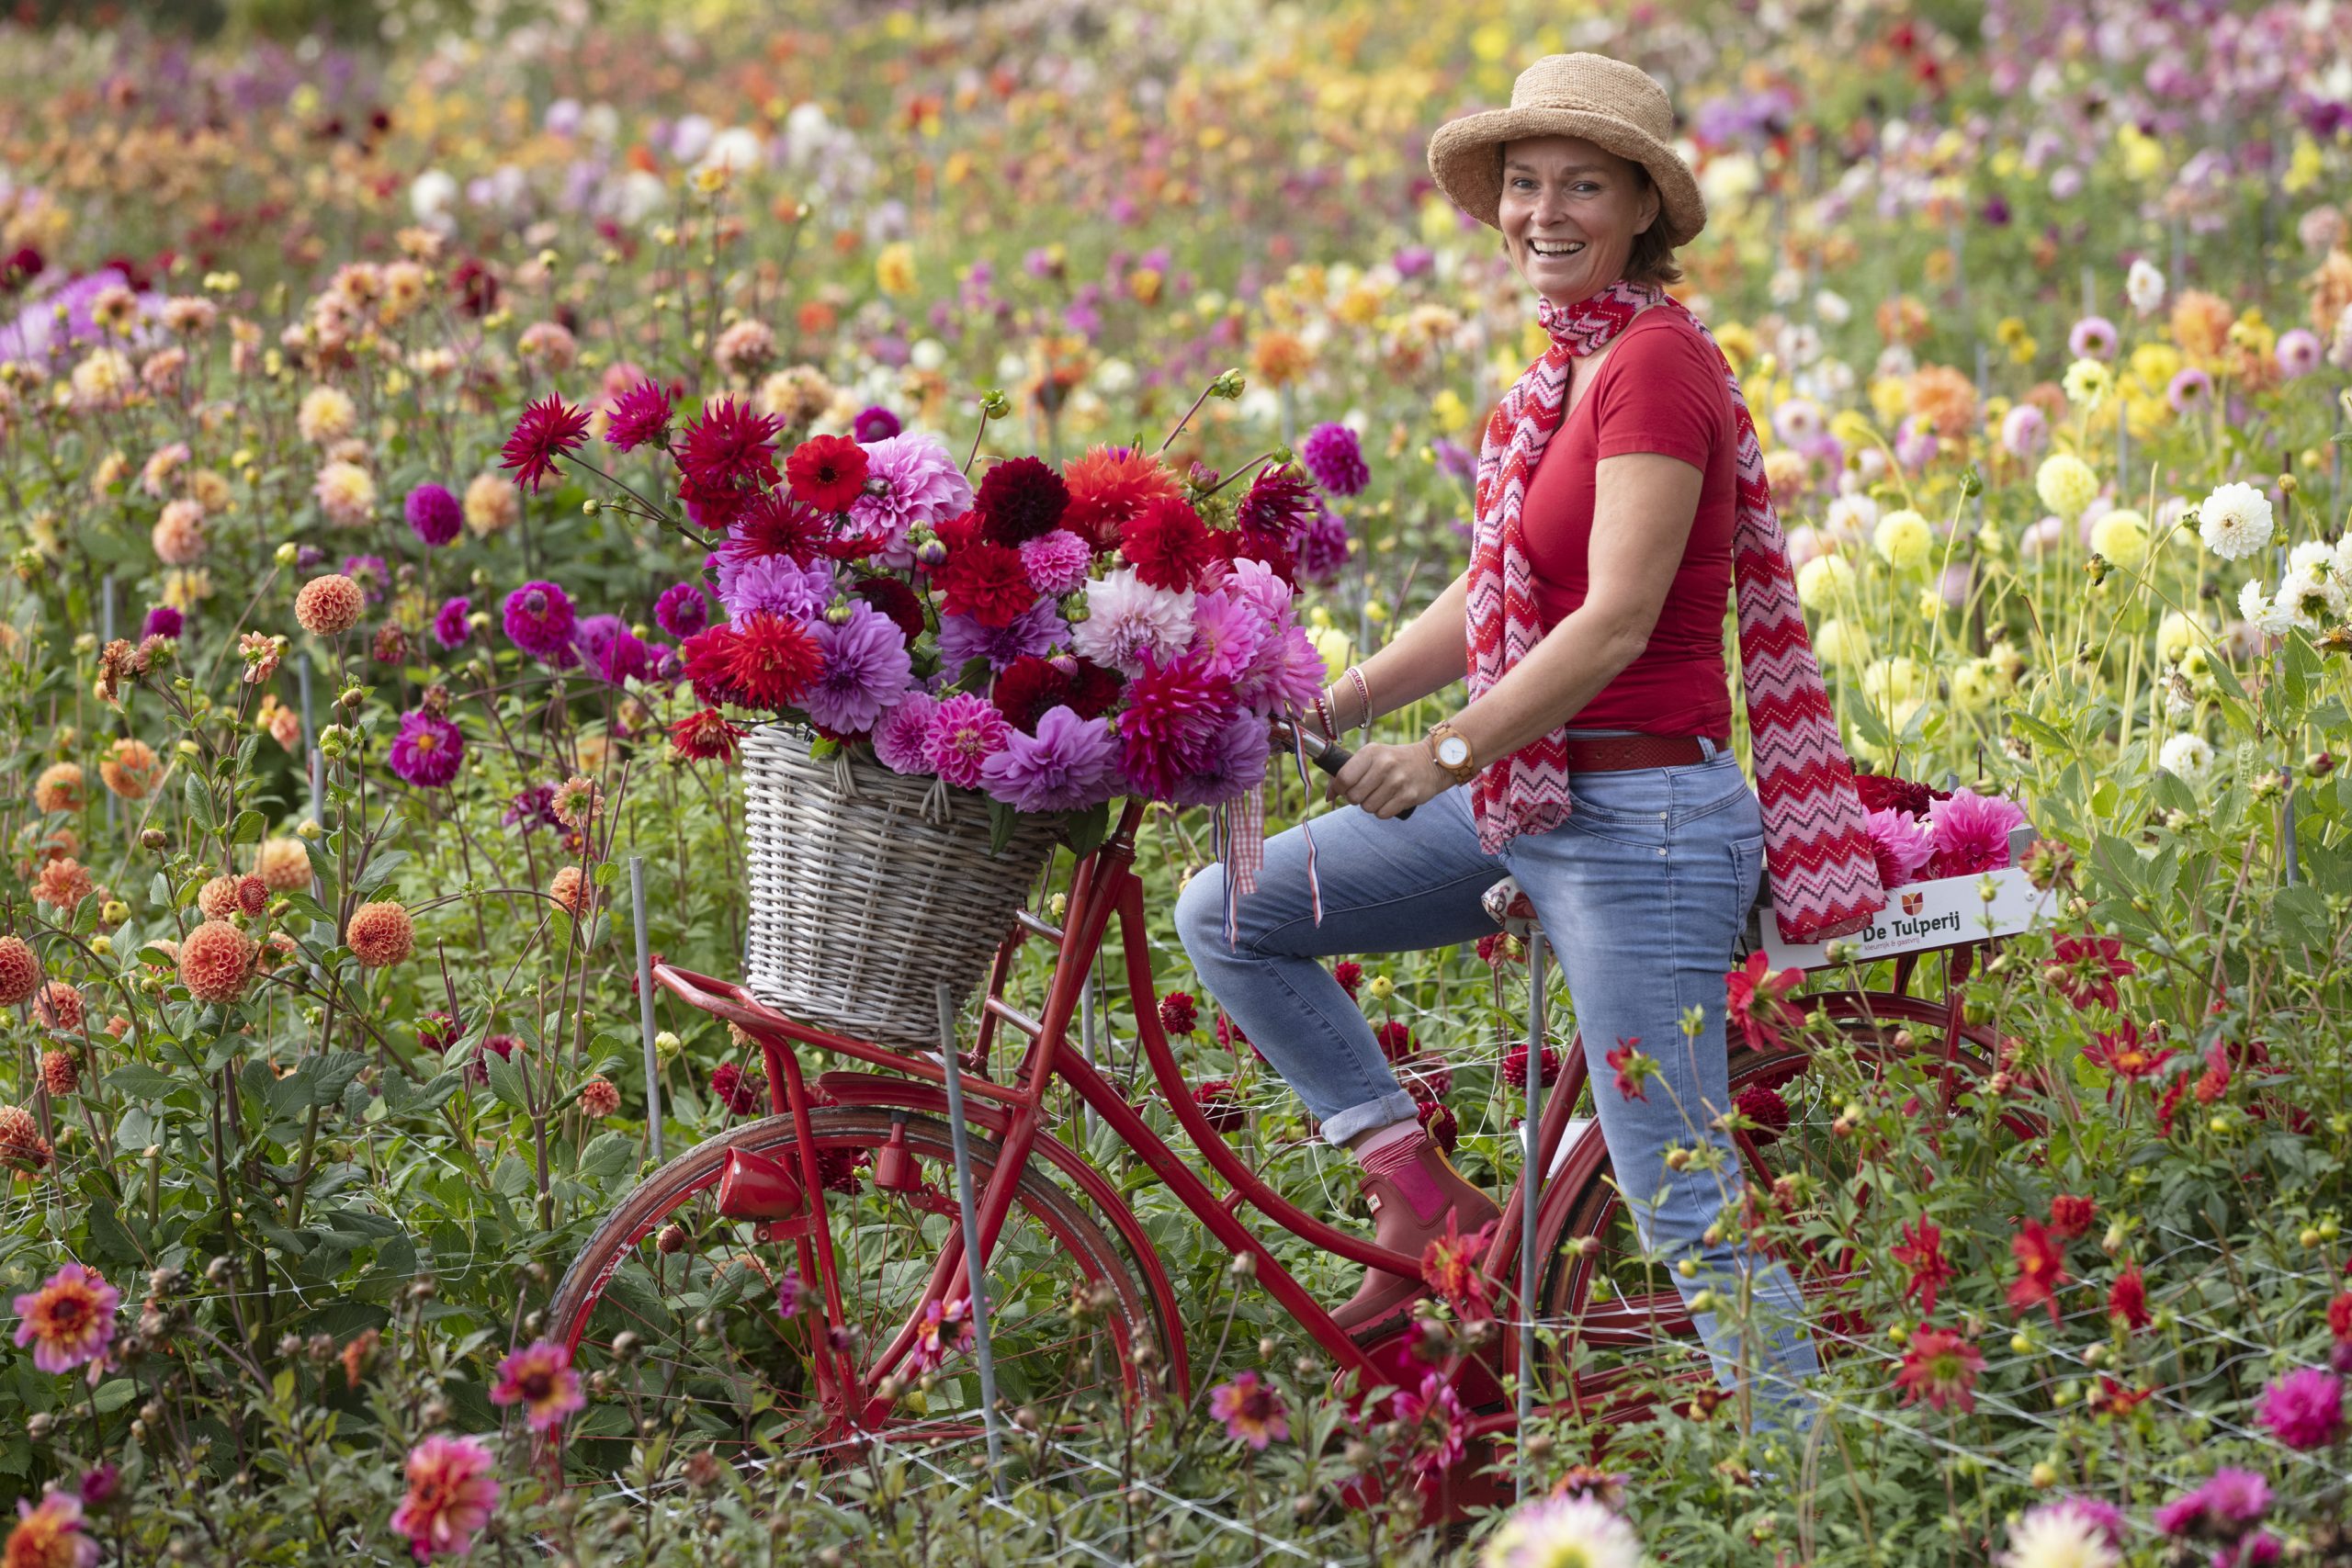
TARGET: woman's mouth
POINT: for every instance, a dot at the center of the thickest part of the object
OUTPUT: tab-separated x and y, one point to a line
1560	250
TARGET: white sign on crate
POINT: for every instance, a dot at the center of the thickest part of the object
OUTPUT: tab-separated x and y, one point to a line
1924	914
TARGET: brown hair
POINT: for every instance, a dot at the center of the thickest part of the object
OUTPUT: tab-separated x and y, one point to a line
1652	258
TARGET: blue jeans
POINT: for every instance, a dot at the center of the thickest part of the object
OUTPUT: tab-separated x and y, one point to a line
1642	893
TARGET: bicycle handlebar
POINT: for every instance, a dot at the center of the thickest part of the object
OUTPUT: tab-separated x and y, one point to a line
1325	753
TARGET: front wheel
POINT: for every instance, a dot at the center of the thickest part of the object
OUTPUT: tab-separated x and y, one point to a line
717	1364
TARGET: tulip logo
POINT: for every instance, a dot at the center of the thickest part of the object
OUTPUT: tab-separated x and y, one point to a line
1911	902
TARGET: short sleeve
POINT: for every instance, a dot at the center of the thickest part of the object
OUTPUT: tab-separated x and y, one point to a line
1666	394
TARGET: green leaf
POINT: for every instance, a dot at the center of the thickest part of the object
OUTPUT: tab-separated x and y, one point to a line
1002	821
1086	829
136	1080
606	1156
250	828
512	1176
506	1082
116	1392
379	870
333	1073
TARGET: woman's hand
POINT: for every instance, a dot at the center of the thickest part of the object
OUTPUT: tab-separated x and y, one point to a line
1385	780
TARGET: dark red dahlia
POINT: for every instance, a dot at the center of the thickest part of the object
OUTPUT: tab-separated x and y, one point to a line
1093	690
1179	1014
640	417
1426	1077
1026	688
706	735
1397	1042
1228	1034
729	447
1515	1066
1221	1103
1020	498
896	600
985	580
1276	508
1762	1104
1880	792
549	429
743	1093
1167	544
1438	1121
476	287
826	472
1349	973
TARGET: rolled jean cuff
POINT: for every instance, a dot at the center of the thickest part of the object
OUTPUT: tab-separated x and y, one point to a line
1391	1108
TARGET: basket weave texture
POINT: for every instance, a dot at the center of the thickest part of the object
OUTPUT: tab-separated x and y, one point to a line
869	888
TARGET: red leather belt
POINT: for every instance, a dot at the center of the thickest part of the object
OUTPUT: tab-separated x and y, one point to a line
1609	753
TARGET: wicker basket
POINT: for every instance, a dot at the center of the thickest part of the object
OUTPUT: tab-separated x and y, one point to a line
868	888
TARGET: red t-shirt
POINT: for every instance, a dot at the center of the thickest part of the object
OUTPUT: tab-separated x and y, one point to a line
1660	390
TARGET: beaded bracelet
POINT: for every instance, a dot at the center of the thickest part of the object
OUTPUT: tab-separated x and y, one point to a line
1364	693
1323	718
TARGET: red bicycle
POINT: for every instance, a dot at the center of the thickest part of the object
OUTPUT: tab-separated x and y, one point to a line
843	1202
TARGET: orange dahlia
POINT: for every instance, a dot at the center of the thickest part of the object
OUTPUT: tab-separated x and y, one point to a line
60	1071
329	605
129	769
59	1007
60	787
1107	486
283	864
571	890
19	971
217	962
381	934
1946	399
63	884
21	1146
218	898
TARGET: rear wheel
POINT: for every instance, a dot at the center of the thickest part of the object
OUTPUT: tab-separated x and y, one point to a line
717	1364
1623	1315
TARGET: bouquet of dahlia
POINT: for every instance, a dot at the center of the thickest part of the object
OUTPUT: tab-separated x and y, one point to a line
1051	637
1922	834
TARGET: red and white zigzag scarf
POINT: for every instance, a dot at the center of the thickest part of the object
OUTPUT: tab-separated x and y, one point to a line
1823	875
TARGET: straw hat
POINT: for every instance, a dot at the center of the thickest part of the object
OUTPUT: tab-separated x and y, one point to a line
1607	102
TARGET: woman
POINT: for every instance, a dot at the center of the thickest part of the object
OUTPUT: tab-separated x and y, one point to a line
1600	561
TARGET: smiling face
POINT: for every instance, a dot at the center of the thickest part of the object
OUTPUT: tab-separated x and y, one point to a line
1569	213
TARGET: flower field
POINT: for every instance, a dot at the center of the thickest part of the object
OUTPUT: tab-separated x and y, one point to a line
434	442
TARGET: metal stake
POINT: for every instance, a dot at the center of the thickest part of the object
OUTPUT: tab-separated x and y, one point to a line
310	738
105	636
1531	1179
953	1073
645	1004
2291	871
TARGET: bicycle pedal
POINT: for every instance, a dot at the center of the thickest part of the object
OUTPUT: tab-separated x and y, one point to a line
754	1187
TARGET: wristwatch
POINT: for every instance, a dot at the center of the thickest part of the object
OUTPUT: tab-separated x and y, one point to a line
1449	750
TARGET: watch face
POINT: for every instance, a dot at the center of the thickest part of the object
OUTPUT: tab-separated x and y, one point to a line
1452	751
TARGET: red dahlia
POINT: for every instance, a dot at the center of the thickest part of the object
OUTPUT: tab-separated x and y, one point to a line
1179	1014
640	417
1883	793
1093	690
985	580
1167	544
826	472
1277	507
775	523
549	429
729	449
1020	498
770	659
1107	486
708	657
705	735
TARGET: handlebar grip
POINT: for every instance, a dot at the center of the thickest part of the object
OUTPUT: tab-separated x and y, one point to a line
1331	757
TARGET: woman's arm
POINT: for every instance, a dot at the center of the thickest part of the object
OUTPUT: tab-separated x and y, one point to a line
1643	505
1429	655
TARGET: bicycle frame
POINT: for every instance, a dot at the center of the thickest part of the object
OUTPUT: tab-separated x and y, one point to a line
1103	886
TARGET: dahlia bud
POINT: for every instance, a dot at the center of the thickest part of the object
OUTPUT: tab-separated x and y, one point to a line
837	613
994	403
286	553
932	551
153	839
2319	764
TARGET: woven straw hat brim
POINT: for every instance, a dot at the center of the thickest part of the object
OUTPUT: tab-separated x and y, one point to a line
1465	158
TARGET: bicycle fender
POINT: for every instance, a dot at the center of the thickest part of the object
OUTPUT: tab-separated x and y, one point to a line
904	1094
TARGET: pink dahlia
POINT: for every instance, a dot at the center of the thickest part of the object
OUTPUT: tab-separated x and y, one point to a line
69	1322
1971	833
966	731
1055	561
1903	848
1175	714
451	1490
900	739
539	1377
2304	1409
922	483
